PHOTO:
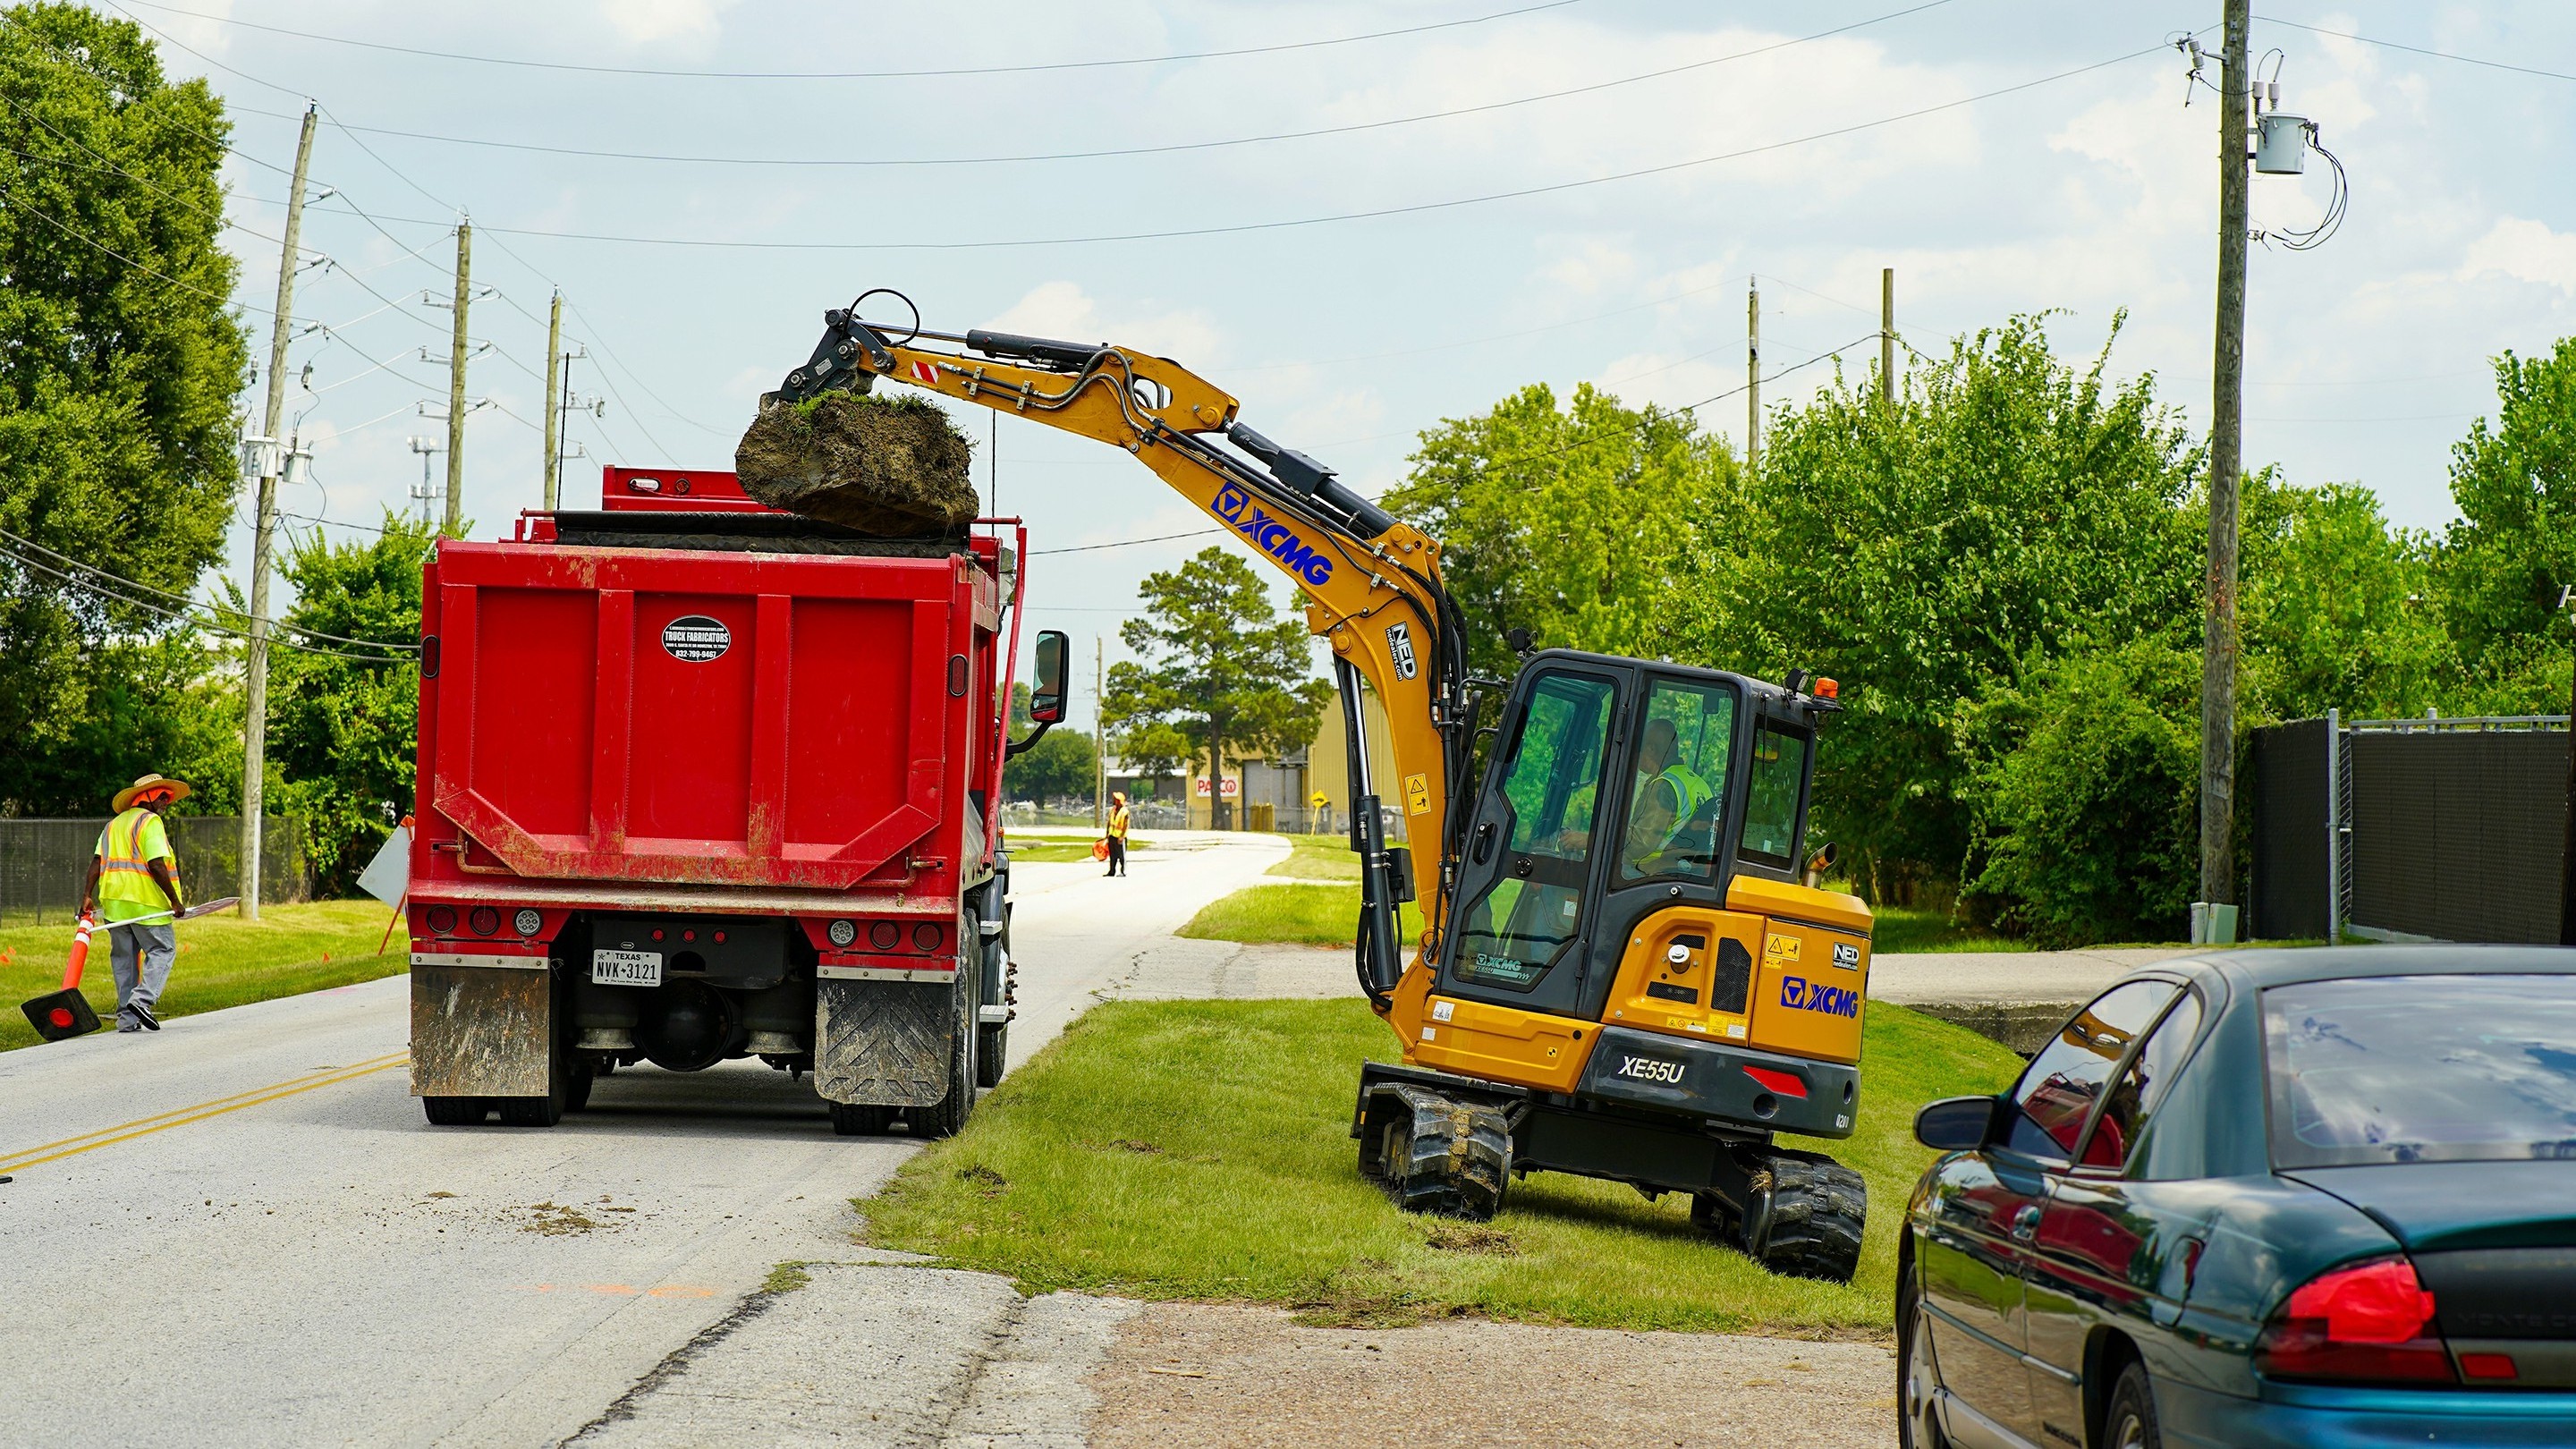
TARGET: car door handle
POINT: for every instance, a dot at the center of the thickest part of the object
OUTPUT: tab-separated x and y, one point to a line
2025	1223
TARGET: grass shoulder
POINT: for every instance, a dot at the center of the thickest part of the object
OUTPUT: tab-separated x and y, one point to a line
223	960
1290	915
1200	1150
1319	857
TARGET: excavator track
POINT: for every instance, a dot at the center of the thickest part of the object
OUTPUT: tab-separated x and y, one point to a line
1803	1214
1440	1154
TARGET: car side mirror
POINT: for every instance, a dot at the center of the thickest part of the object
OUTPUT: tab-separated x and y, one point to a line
1956	1124
1046	699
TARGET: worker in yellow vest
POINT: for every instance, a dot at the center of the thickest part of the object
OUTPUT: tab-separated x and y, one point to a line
1669	794
1117	833
133	875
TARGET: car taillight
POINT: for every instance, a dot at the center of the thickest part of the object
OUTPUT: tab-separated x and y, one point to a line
2370	1321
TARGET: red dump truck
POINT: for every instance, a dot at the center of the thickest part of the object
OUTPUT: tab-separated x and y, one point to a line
703	781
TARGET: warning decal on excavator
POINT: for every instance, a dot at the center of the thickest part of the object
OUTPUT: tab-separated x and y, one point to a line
1778	950
1417	794
925	372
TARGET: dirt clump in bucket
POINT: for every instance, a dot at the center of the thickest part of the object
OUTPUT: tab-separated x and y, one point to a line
892	467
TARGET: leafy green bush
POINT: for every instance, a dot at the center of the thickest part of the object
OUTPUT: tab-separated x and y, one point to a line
2088	823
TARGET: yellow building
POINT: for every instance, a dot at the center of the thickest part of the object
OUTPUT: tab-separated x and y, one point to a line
1280	794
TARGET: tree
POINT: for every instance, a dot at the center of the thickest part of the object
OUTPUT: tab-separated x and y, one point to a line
1150	749
1062	766
342	731
2502	565
2006	510
1216	663
119	358
1573	524
2334	613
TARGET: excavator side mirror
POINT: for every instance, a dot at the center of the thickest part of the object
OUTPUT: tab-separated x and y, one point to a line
1046	700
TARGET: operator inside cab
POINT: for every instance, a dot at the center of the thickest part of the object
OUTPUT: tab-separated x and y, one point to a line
1674	803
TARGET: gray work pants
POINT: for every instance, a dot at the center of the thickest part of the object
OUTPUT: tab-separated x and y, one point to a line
158	946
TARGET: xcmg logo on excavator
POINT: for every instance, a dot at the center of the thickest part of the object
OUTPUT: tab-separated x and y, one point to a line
1272	536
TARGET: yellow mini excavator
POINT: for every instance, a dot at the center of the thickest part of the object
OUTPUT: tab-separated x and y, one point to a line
1627	971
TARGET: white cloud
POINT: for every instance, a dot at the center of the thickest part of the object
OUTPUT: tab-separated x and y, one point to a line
2527	251
642	22
1064	310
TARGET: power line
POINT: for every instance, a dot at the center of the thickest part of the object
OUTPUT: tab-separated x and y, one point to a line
11	199
1410	209
858	74
1167	148
1125	542
182	616
2420	50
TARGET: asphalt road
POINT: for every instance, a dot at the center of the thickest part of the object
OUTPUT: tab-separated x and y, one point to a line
240	1231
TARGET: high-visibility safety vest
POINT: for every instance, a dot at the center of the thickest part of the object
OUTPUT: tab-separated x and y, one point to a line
125	848
1118	822
1689	793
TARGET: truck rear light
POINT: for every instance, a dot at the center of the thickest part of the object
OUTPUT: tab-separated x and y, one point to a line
885	935
528	921
485	921
2366	1321
441	920
842	933
925	937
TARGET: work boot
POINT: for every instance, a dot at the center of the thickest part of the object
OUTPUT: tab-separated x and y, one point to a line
143	1015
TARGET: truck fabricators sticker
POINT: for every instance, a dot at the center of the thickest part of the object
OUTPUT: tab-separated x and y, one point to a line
1797	991
1272	536
1650	1069
695	638
1399	644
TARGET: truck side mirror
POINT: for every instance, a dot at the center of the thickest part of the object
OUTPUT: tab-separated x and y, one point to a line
1046	700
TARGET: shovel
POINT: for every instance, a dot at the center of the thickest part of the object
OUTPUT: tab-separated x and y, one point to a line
58	1015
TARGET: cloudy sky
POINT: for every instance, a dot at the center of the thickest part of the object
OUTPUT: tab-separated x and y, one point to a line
1361	233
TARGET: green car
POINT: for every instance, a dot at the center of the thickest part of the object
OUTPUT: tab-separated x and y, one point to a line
2309	1198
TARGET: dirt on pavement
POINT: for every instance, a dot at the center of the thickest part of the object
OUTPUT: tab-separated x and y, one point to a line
1185	1375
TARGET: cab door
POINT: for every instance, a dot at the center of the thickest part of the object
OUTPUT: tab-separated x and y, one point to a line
1531	848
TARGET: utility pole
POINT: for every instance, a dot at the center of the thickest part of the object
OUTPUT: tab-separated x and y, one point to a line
1752	374
455	521
1099	739
554	399
427	493
2226	446
263	528
1887	335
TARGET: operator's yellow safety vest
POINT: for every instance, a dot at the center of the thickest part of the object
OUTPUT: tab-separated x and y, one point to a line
125	848
1689	792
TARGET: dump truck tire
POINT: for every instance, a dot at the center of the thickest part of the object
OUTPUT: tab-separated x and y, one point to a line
860	1119
1444	1156
1803	1215
454	1111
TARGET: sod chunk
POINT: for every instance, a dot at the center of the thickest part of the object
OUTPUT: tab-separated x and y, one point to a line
894	467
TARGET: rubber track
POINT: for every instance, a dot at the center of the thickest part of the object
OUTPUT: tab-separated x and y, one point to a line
1818	1208
1458	1160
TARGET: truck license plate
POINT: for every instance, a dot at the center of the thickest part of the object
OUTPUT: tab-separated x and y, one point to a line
626	968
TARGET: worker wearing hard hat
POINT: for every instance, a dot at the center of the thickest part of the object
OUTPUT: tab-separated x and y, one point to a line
133	875
1117	833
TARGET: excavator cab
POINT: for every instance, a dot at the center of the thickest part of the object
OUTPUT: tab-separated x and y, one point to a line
1638	984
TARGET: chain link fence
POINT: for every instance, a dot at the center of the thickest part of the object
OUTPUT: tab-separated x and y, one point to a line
42	863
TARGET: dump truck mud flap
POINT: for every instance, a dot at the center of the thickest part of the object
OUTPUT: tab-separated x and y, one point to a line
481	1031
883	1043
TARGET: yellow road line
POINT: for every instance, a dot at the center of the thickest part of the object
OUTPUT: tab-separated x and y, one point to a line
159	1122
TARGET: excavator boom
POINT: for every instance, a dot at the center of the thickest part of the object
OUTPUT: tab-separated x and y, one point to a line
1372	585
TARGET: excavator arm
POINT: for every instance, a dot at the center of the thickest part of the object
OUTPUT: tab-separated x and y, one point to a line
1372	584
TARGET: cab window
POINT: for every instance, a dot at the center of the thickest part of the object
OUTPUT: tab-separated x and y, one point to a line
1778	790
1533	909
2057	1092
1677	790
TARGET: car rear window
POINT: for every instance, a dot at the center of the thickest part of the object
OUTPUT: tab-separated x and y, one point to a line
2422	1069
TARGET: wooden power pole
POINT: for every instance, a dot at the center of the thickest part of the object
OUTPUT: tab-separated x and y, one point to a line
1887	335
263	529
455	520
2226	448
1752	374
554	399
1099	737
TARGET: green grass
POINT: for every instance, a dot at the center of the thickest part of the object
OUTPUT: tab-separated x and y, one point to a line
223	961
1199	1150
1293	915
1916	928
1051	850
1320	857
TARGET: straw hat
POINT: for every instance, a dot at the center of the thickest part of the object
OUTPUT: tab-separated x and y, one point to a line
152	784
